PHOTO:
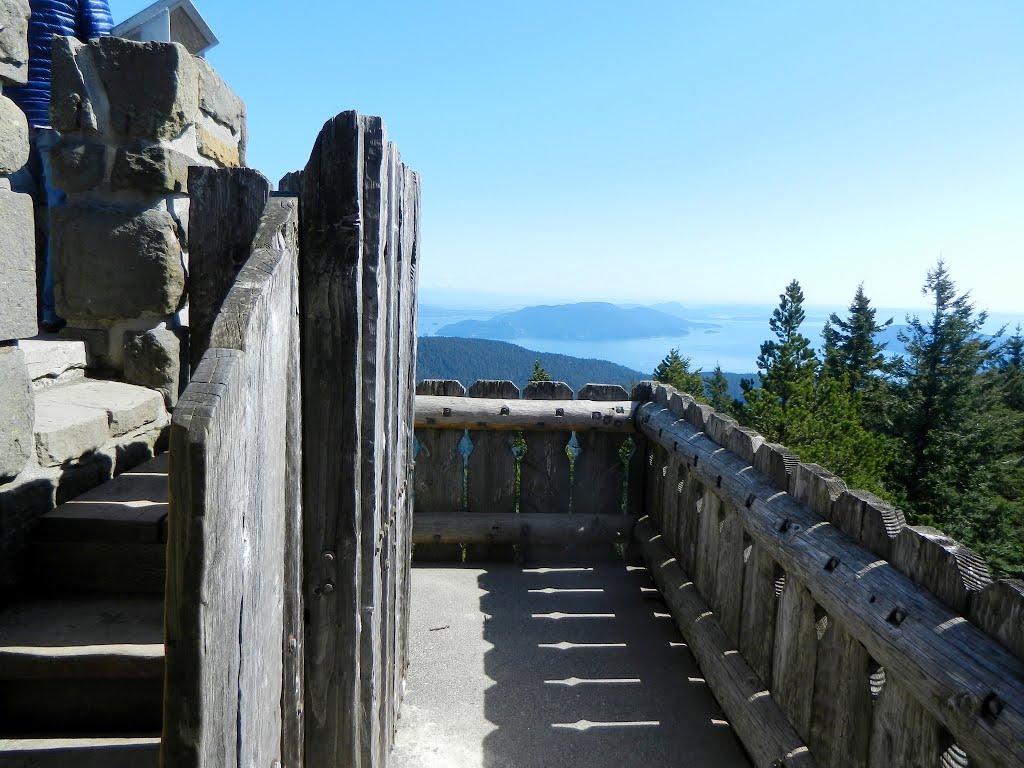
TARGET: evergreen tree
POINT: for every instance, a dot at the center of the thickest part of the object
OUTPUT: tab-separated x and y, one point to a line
717	391
850	346
675	371
539	374
946	420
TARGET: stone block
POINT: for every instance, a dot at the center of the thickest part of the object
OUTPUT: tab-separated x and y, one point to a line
124	406
219	146
152	89
71	109
115	265
17	267
78	165
52	361
150	168
13	137
67	431
218	101
153	359
97	344
14	41
17	413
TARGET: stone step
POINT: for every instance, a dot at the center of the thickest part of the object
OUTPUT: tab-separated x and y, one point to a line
72	667
75	419
52	360
109	752
110	539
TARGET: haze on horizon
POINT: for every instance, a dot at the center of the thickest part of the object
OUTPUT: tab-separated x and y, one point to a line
698	152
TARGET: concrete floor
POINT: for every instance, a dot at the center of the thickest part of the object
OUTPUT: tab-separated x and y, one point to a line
516	667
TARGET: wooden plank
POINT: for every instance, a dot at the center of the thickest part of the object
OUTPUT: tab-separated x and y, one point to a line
225	211
600	474
953	572
998	610
440	470
905	628
796	648
904	734
729	573
536	415
669	506
760	606
709	526
868	519
688	518
544	473
374	375
841	713
491	472
331	292
759	723
511	528
656	469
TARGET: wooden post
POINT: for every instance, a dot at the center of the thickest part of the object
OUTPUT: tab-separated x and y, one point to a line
332	329
544	474
224	214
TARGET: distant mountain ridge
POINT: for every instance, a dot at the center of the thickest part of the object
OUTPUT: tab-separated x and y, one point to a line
583	321
468	360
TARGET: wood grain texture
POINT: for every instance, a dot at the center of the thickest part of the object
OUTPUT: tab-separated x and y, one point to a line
961	677
759	723
492	464
947	568
511	528
227	535
841	713
999	611
331	293
544	473
224	214
536	415
600	474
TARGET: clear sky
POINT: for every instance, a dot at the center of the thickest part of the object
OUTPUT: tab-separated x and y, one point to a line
696	151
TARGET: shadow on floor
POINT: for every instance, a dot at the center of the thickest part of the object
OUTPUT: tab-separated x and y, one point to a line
582	666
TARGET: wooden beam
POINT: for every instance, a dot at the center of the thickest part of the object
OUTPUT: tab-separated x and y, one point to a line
511	528
436	412
963	678
765	732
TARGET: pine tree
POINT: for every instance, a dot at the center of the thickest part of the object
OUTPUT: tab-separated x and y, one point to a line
945	417
850	345
539	374
675	371
717	391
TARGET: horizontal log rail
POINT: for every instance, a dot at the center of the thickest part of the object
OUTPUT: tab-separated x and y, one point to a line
512	528
963	678
440	412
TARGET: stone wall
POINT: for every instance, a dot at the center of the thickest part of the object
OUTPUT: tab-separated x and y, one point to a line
133	117
17	250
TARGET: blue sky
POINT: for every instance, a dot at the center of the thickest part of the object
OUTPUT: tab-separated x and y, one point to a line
701	152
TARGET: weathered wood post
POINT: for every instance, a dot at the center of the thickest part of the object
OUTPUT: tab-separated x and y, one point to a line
440	471
360	240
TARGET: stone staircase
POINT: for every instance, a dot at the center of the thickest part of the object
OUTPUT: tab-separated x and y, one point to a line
81	655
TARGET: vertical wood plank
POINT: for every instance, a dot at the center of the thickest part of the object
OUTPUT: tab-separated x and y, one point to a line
657	467
796	642
332	327
600	474
544	475
760	605
729	576
439	471
903	734
491	469
840	729
224	213
688	518
705	571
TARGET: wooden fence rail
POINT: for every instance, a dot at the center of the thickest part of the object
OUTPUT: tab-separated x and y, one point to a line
872	662
545	475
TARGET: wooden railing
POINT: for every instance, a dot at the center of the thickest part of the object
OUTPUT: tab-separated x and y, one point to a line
545	475
832	633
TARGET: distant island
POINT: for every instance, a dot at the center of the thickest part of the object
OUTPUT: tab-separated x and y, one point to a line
470	359
585	321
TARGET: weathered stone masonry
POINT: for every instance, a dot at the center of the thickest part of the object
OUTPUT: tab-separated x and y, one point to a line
133	117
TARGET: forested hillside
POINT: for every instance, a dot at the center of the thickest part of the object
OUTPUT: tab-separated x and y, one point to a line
470	359
467	360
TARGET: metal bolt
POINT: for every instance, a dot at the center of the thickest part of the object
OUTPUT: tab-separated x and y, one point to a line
328	587
328	558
